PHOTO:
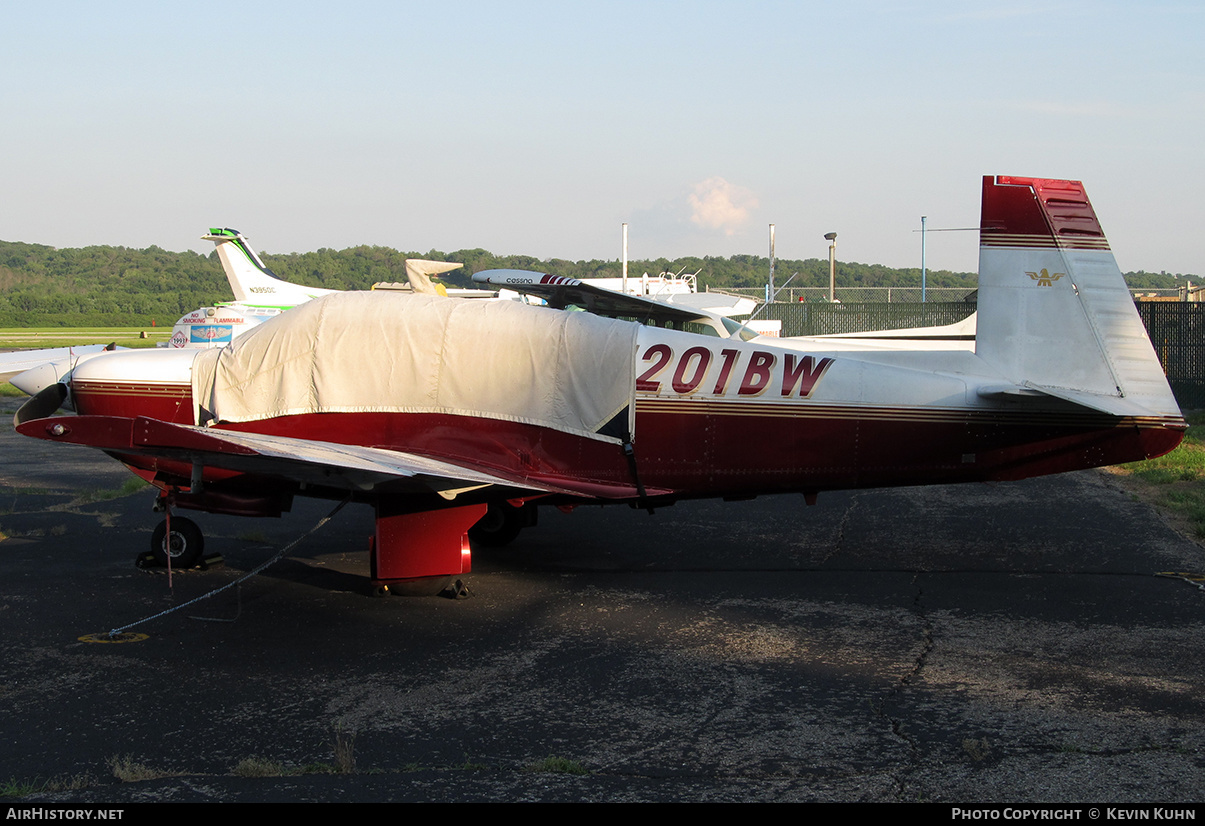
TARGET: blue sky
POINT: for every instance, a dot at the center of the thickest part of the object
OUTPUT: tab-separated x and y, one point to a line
538	128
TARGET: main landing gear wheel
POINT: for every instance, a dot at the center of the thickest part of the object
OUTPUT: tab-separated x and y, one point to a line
500	525
186	545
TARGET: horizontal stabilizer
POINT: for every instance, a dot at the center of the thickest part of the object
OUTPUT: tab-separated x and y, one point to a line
1112	405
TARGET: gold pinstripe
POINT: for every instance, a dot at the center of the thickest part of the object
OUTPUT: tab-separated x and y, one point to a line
1007	239
701	407
115	388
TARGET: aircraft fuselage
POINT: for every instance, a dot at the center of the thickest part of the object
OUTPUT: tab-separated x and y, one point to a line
714	417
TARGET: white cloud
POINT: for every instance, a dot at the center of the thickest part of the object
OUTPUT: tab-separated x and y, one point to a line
717	204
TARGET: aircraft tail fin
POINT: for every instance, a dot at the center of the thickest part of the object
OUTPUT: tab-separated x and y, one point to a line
1055	314
419	273
250	280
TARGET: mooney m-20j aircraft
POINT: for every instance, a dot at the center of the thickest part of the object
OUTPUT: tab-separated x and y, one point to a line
445	414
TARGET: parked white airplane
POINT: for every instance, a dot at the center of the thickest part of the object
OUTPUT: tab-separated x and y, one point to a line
440	413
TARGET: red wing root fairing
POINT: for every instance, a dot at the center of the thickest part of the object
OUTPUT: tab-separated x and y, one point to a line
447	413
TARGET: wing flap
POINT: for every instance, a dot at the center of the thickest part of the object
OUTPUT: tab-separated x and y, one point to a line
325	462
357	467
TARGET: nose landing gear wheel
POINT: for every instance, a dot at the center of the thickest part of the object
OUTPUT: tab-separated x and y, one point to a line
185	547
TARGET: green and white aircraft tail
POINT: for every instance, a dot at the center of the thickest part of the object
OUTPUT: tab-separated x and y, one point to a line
252	282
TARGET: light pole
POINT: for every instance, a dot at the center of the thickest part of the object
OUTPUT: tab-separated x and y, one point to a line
624	244
831	237
770	287
923	218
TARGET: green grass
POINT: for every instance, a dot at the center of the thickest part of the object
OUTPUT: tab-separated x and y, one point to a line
1177	481
23	788
126	769
130	486
37	338
259	767
343	743
20	788
1184	464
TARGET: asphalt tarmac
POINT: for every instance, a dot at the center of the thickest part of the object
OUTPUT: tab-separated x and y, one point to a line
1008	643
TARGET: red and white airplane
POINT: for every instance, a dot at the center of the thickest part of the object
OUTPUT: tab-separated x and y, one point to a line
448	414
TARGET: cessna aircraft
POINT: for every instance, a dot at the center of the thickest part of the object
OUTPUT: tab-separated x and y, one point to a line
446	414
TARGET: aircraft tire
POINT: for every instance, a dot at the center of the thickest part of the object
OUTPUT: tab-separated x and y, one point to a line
188	543
428	586
499	527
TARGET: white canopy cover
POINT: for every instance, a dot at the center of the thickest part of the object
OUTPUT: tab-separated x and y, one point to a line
399	353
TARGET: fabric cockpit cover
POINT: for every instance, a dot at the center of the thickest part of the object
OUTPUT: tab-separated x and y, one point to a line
398	353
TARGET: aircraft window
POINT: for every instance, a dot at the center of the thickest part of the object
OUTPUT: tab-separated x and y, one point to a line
701	329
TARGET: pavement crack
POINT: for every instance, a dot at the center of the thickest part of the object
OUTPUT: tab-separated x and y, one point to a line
898	724
839	539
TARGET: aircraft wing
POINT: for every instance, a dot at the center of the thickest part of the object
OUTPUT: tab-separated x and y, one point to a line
13	364
327	464
561	292
718	303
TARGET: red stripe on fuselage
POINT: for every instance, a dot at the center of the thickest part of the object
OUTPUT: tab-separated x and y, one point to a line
704	447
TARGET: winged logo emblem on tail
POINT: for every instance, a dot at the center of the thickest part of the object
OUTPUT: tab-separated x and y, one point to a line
1045	278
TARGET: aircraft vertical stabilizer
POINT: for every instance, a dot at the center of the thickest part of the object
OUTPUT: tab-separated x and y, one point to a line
250	280
1055	314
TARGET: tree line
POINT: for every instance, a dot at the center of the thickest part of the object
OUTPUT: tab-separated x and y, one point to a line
41	286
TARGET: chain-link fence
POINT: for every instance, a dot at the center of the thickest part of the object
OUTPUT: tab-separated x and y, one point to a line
1177	330
866	295
1173	293
804	319
900	295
